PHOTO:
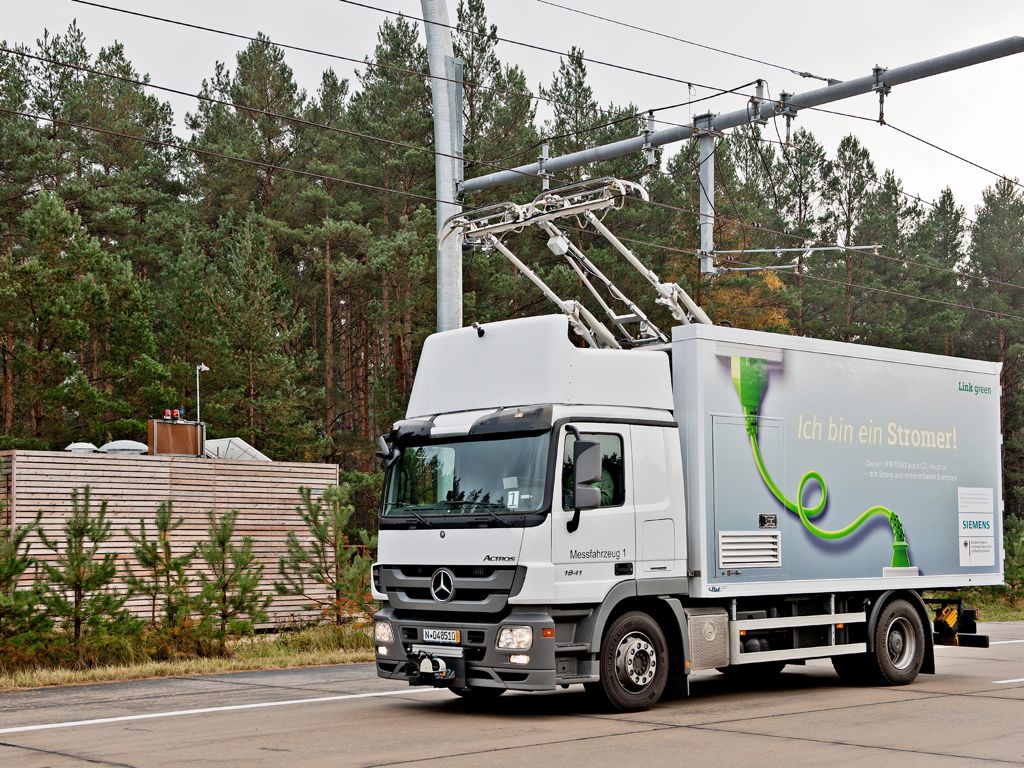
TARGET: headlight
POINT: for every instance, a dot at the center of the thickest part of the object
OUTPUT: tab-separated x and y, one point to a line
383	633
515	638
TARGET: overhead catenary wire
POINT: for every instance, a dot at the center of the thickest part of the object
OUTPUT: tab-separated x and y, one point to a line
665	35
219	155
426	198
759	227
875	180
307	173
312	51
531	46
244	107
240	106
886	124
901	294
719	91
404	70
822	278
803	239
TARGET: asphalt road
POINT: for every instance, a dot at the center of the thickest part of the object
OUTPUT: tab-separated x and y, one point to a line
969	714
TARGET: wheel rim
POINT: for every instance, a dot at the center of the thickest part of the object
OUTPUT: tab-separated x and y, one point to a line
901	643
636	661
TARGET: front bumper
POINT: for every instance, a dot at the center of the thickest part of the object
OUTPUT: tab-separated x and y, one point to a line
475	662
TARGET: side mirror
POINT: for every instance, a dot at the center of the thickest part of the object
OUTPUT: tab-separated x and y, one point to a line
586	462
386	452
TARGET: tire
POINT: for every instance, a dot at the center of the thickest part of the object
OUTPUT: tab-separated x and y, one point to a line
634	662
478	694
899	644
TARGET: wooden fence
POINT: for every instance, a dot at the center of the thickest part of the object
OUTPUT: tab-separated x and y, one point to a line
266	494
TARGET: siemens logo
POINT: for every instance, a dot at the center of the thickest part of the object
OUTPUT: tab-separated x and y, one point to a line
977	525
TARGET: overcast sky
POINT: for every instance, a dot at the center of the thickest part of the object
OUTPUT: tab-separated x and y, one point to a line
976	112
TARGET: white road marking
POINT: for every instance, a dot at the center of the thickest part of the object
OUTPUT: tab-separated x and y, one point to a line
1015	680
1004	642
206	710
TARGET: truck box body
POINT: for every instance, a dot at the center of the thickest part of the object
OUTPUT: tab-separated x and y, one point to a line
914	433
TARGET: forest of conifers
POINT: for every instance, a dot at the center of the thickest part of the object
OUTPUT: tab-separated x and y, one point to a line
287	241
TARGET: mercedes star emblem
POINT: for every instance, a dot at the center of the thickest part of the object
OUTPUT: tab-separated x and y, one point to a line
442	585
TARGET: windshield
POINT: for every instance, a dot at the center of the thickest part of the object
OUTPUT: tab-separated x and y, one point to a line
495	476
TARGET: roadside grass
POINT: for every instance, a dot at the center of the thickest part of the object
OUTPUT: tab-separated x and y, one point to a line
993	603
996	603
313	646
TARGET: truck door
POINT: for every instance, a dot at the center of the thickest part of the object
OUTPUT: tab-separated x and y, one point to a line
602	550
658	502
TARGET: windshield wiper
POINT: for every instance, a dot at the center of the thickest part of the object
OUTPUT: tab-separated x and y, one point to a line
403	506
486	506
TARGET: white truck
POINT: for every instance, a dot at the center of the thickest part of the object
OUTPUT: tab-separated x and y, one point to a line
734	500
624	514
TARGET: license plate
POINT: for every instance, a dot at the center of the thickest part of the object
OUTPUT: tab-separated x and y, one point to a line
450	636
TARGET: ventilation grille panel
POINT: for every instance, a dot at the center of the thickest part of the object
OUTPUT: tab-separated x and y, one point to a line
749	549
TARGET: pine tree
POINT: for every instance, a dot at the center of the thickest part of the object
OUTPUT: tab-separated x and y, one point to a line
230	590
258	388
889	220
329	572
936	251
847	180
575	111
78	592
22	625
83	347
161	575
995	257
804	179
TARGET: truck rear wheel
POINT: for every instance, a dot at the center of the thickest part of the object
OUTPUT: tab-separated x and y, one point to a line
898	654
634	662
899	644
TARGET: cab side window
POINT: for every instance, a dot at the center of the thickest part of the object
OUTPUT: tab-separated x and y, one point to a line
613	474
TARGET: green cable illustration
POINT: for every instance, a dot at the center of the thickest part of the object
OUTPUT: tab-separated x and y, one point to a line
750	377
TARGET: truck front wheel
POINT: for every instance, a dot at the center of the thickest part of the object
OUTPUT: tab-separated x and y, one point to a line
634	662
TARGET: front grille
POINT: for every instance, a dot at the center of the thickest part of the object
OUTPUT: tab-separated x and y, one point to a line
478	589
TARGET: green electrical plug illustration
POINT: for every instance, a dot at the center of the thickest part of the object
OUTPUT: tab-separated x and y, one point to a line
750	377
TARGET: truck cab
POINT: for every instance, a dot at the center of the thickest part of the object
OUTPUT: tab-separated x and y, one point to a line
490	572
